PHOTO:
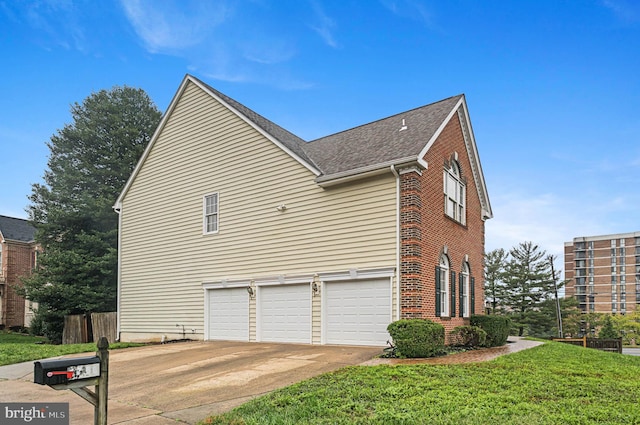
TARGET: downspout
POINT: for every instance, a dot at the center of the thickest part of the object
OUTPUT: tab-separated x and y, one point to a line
398	258
118	209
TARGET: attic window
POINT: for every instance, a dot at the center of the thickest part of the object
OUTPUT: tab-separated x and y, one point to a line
454	193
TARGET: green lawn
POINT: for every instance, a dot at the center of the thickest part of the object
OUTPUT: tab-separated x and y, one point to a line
18	348
551	384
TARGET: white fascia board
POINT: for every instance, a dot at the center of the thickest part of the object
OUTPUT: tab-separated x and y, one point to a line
275	141
474	158
356	274
363	172
226	283
145	154
284	280
435	136
473	153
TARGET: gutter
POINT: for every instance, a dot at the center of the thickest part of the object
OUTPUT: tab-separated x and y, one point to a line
368	171
398	243
118	210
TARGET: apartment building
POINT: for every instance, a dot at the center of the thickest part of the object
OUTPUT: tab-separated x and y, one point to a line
603	272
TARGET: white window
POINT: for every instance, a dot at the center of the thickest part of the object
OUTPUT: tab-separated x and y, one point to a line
464	290
444	286
454	193
210	213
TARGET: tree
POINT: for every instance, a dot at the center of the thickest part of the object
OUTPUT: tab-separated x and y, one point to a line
528	282
89	163
607	330
542	322
494	289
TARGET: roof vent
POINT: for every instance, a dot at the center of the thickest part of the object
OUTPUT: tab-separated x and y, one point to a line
404	126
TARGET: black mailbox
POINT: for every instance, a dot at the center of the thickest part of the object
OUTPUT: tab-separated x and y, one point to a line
53	372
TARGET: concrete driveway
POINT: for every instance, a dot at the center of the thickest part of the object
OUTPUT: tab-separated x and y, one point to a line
187	381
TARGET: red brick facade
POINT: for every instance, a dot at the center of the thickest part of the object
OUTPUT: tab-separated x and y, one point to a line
427	232
17	261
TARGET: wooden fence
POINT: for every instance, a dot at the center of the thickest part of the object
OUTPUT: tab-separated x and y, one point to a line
76	329
104	324
613	345
80	328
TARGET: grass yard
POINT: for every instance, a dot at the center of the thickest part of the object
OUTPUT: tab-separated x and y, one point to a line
18	348
551	384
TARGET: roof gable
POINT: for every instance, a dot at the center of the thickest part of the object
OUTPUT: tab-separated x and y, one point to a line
16	229
390	140
400	139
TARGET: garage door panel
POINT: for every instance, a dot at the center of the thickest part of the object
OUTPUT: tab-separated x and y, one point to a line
228	314
357	312
284	313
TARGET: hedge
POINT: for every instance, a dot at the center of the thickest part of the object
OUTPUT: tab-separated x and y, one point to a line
415	338
468	336
496	327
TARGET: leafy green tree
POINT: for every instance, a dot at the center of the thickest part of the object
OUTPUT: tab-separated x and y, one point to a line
628	326
89	163
528	282
494	288
607	330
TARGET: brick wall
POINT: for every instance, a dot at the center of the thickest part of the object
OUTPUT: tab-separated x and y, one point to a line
426	230
18	260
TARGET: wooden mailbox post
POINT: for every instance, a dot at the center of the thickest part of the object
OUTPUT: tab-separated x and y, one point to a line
76	374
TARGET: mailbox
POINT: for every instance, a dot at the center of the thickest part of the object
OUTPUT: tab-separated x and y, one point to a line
63	371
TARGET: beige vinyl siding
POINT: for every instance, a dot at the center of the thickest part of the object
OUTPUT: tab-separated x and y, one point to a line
205	148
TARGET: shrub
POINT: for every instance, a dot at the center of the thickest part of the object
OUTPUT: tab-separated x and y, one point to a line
468	336
496	327
415	338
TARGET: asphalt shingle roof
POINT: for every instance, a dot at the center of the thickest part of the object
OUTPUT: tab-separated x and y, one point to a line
379	142
16	229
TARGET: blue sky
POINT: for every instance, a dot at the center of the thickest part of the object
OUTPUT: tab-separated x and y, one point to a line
553	87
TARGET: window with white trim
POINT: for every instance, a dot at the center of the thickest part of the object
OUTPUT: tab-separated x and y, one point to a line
210	213
444	286
454	193
465	290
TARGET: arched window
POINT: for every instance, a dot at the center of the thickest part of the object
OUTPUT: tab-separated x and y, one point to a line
465	291
454	193
442	287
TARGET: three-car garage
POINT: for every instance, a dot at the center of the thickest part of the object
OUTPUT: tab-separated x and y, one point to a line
346	311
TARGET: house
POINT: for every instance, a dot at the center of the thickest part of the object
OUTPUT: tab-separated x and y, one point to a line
18	252
233	228
603	272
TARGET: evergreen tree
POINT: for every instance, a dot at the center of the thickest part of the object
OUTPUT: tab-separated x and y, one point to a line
542	323
494	288
89	163
528	282
607	330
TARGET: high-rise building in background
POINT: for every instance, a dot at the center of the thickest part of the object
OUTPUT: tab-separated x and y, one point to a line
603	272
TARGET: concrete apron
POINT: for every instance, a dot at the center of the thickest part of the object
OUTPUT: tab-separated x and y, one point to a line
187	381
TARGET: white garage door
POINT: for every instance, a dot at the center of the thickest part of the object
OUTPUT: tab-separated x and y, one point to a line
357	312
284	313
229	314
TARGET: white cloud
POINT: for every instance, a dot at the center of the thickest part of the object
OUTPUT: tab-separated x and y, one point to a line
546	219
167	26
325	26
60	21
626	11
411	9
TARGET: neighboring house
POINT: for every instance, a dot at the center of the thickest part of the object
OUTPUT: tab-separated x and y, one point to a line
233	228
17	258
603	272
